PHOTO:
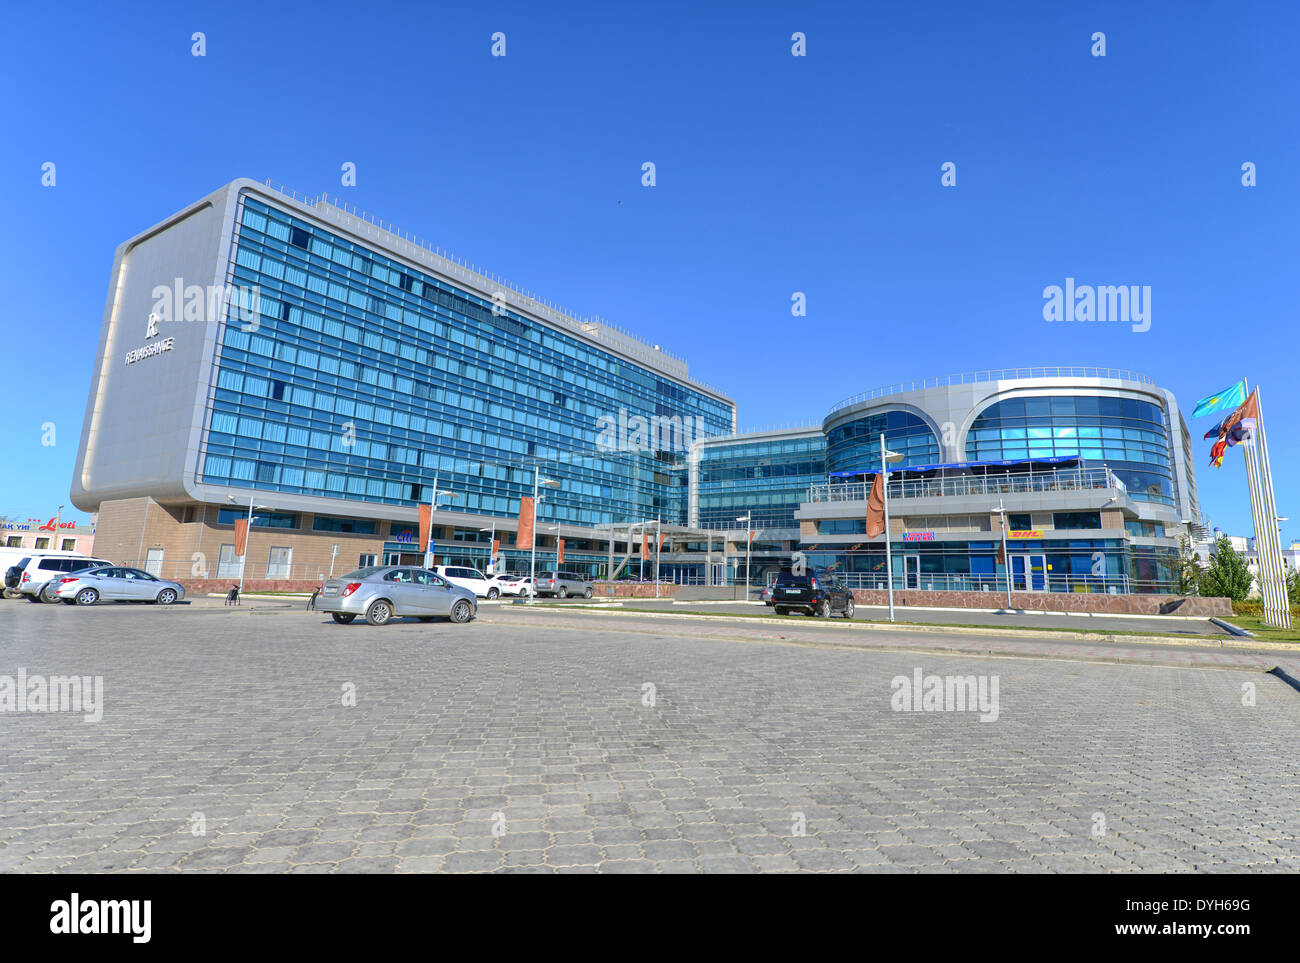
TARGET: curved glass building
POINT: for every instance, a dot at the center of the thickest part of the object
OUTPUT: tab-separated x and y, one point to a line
1087	469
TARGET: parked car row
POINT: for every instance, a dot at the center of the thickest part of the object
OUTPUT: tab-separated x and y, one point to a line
84	580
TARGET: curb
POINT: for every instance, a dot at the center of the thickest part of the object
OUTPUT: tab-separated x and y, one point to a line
1011	634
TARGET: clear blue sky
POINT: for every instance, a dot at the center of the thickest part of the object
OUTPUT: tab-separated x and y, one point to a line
775	174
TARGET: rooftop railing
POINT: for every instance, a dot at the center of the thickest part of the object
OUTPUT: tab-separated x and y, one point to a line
1078	479
995	374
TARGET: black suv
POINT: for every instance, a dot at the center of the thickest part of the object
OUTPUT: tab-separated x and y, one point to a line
815	593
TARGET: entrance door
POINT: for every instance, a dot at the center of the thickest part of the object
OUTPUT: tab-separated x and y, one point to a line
1037	568
1018	583
911	571
1029	573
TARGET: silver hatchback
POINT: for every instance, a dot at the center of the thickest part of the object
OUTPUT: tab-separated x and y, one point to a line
117	584
383	593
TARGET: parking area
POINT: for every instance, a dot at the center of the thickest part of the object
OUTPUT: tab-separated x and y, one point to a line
268	739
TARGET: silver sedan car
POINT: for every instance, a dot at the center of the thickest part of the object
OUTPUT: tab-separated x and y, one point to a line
117	584
382	593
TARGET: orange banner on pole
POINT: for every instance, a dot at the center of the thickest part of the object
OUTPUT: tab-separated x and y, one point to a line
645	545
559	552
426	526
241	536
524	539
876	508
496	550
662	536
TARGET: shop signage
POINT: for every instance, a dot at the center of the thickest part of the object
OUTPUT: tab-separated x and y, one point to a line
1026	533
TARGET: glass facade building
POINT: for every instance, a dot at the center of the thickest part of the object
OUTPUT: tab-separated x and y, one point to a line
375	370
854	445
1128	435
768	475
366	378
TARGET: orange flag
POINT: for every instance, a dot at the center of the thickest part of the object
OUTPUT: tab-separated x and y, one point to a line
645	545
662	536
241	536
876	507
426	525
525	537
559	552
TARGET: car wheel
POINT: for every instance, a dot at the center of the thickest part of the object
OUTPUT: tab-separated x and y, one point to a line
48	593
166	596
33	598
462	611
563	592
380	611
342	618
587	592
493	594
848	609
87	597
823	611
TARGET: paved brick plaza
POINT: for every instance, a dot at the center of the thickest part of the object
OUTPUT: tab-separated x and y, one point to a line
540	718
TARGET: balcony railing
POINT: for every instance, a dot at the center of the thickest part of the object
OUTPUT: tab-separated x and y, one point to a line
997	374
1073	480
996	585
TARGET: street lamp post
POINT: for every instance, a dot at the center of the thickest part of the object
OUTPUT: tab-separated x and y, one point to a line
429	557
659	539
491	541
748	519
248	536
888	456
538	482
1006	558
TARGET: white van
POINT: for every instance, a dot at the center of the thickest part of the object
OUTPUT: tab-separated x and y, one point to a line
469	578
28	571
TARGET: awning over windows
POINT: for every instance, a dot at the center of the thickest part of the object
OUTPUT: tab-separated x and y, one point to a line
1055	461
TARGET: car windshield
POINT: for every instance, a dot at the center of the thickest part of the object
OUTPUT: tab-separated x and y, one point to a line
363	572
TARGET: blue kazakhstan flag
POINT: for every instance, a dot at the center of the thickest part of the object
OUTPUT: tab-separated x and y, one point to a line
1231	397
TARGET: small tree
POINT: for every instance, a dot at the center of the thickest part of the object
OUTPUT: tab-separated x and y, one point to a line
1293	588
1227	575
1190	570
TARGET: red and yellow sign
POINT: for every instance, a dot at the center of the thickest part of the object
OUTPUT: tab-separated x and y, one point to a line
1025	533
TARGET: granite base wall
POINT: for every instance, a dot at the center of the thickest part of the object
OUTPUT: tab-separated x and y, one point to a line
1053	602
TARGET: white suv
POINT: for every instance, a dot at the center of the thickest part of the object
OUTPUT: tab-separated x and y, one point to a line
38	576
469	578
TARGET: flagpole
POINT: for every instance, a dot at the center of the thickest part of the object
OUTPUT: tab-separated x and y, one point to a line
1259	512
1252	486
884	493
1273	542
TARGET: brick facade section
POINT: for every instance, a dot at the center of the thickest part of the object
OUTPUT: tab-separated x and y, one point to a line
128	528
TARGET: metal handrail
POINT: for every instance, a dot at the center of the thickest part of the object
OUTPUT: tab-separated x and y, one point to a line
994	374
1058	481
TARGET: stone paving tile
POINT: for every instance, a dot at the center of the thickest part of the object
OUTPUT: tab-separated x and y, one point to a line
522	745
